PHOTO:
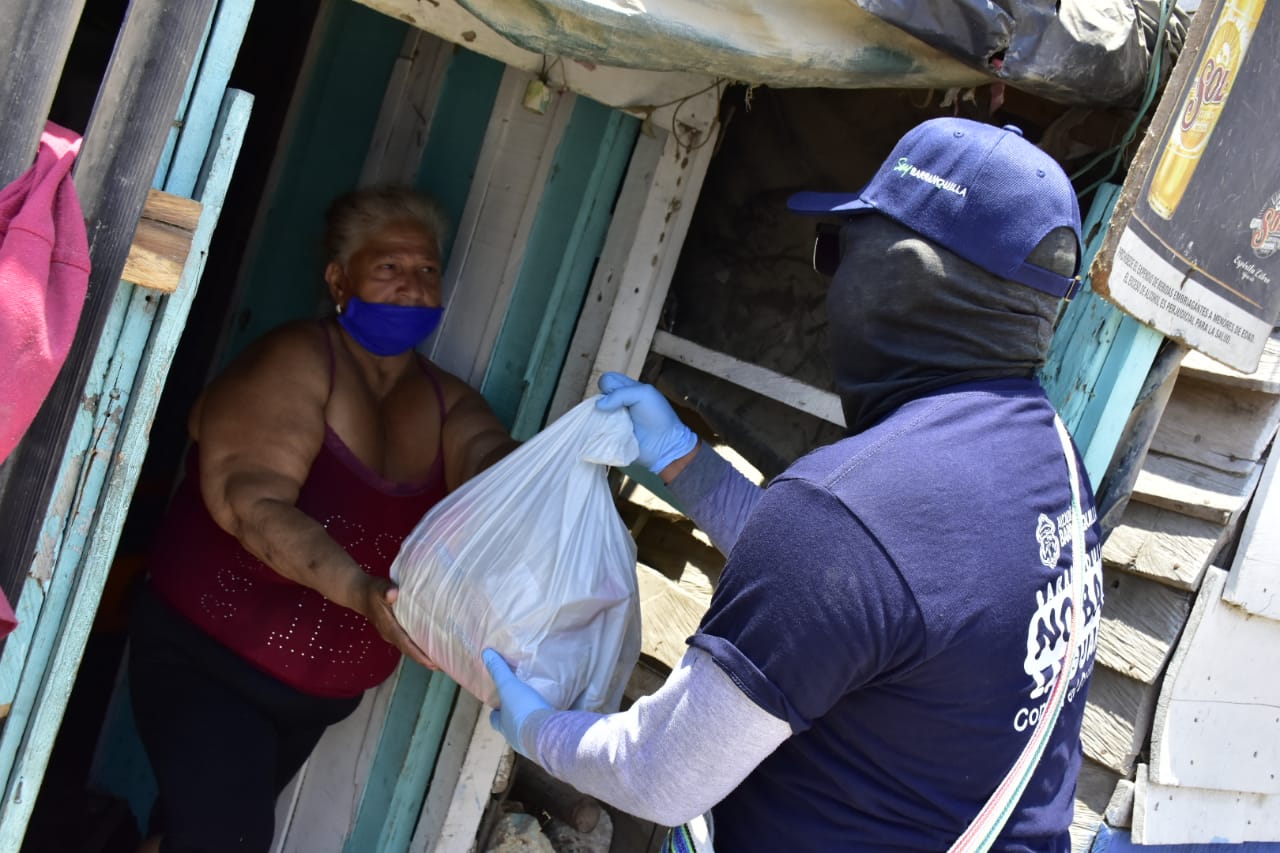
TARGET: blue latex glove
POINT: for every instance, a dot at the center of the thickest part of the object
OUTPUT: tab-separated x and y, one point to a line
662	437
518	701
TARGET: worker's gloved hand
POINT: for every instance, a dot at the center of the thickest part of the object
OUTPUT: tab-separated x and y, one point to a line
517	703
662	437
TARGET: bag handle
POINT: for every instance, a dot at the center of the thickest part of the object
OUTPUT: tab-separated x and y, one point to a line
985	827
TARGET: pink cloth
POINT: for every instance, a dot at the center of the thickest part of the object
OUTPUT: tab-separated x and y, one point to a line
7	620
44	274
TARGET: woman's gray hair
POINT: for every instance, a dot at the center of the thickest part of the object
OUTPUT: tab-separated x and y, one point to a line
354	216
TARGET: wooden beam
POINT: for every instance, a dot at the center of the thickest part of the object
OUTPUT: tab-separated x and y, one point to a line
657	236
35	36
1135	440
162	242
761	380
493	233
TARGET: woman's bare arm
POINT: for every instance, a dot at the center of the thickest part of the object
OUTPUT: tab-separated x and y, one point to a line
474	438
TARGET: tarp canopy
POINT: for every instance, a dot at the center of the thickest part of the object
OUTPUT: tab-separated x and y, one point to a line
1086	52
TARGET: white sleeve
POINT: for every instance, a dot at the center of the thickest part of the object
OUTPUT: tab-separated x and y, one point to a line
716	496
672	755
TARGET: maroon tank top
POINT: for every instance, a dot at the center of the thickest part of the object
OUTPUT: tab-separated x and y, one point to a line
288	630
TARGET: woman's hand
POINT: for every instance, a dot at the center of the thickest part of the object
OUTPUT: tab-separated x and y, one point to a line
376	597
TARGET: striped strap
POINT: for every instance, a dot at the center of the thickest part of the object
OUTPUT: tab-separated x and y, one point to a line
982	832
692	837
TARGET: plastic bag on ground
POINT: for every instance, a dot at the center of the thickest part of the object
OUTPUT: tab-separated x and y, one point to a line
531	558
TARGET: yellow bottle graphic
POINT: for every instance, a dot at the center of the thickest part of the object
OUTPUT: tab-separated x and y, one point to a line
1193	125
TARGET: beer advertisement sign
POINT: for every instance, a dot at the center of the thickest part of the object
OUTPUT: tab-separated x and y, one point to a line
1199	255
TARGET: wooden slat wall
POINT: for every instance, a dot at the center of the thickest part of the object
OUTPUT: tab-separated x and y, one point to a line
138	368
1215	741
136	104
1190	494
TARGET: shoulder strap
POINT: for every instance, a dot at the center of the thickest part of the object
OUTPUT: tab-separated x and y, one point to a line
984	829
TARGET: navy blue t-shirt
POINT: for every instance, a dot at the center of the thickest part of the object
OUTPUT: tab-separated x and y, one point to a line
900	598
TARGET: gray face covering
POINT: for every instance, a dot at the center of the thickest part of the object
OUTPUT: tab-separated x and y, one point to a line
908	317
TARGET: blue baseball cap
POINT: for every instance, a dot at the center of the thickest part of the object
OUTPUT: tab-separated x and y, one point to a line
983	192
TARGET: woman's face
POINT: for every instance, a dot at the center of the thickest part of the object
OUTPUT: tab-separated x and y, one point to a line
399	265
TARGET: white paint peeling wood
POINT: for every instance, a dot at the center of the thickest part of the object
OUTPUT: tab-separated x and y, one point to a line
1167	814
654	251
619	241
518	149
1217	723
1254	581
761	380
486	754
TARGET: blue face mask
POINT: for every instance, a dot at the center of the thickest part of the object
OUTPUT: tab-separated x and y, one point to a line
385	329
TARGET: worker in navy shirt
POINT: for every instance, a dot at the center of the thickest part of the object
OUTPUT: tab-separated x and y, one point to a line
900	610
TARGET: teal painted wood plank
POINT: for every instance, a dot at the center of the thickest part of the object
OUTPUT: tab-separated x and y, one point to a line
171	139
27	648
407	703
453	147
327	140
585	172
1098	359
1128	362
409	744
420	763
81	474
1086	325
201	111
564	303
142	369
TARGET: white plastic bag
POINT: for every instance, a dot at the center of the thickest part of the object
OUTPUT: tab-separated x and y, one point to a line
531	558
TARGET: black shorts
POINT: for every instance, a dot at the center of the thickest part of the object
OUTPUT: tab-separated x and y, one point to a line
224	738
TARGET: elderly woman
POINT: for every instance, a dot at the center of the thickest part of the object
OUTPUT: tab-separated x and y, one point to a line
268	608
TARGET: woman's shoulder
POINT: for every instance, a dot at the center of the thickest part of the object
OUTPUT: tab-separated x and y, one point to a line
296	352
293	341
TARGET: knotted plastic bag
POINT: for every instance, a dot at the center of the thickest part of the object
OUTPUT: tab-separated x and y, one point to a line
530	558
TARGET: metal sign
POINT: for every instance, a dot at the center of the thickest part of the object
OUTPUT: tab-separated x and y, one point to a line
1194	246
